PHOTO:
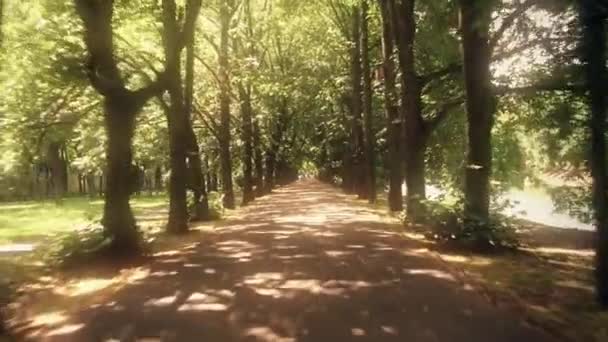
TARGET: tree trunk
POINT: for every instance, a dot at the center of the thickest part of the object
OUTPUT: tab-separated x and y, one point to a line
195	165
404	21
121	106
395	196
359	183
246	114
118	218
58	168
593	19
475	23
258	158
182	141
369	136
158	179
177	118
91	185
347	172
269	179
224	129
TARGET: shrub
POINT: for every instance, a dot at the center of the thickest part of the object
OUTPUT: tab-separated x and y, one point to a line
77	245
446	222
216	205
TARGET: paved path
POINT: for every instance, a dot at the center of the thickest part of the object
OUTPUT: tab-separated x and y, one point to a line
304	264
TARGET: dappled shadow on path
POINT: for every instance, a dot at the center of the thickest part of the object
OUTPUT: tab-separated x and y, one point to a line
304	264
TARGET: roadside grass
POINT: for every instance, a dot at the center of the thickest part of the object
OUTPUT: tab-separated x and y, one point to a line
549	287
36	221
549	281
29	229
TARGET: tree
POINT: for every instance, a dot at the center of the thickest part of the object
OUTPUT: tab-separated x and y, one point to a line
224	130
405	25
393	120
593	18
195	164
356	109
480	104
186	165
121	106
369	136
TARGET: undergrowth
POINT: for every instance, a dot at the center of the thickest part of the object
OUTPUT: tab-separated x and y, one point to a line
446	222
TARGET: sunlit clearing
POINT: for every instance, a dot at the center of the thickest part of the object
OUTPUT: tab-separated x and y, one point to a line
266	334
389	330
553	250
65	330
433	273
415	252
261	278
17	248
202	302
50	318
355	246
337	254
573	284
162	302
137	274
460	259
357	332
312	219
84	287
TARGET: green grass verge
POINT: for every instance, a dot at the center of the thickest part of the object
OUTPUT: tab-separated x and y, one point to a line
33	221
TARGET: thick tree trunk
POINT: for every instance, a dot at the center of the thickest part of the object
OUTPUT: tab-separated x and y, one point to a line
178	207
593	19
357	137
404	20
178	122
224	131
91	184
270	168
58	167
118	218
475	21
158	179
182	140
195	165
395	196
258	159
247	131
369	136
347	172
121	107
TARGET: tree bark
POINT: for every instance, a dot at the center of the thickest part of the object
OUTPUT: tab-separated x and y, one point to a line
118	219
414	127
395	196
369	136
347	153
180	136
247	131
224	129
270	168
359	183
475	24
195	165
593	19
121	106
58	168
258	158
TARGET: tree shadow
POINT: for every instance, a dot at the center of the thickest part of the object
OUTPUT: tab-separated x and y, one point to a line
300	265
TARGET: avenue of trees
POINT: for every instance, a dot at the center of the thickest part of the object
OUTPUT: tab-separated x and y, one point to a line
112	98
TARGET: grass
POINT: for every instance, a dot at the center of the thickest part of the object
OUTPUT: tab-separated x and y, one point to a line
33	221
549	282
